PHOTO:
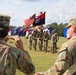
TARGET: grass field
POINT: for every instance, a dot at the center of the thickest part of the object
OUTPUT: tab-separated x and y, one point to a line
41	60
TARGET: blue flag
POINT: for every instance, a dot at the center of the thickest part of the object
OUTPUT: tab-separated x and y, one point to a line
65	32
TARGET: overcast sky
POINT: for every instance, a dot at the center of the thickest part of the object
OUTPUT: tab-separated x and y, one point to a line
60	11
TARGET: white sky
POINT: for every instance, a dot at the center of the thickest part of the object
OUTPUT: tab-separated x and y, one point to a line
60	11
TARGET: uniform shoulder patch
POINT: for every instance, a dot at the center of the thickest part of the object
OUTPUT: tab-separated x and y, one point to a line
60	55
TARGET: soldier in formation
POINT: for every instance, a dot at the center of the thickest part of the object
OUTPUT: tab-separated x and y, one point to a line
35	36
30	38
45	40
12	58
54	39
40	41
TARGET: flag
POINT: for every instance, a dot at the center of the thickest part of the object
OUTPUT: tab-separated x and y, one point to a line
65	32
39	20
29	21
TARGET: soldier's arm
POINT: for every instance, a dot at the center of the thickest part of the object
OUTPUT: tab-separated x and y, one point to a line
64	59
24	61
25	65
63	62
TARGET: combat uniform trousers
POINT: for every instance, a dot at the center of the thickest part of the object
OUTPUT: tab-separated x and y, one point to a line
53	47
45	45
40	44
35	44
30	45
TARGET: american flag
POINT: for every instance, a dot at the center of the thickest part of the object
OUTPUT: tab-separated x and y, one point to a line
29	21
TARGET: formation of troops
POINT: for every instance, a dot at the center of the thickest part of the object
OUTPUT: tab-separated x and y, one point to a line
40	38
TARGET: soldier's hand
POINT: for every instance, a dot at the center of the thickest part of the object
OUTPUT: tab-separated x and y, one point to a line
18	42
6	38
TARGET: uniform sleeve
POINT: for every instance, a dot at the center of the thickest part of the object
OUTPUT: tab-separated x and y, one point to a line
64	60
26	66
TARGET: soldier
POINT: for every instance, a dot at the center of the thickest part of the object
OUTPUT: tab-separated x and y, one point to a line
12	58
40	42
30	40
45	40
35	35
54	39
66	61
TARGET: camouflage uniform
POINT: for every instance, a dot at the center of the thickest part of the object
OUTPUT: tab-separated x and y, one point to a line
30	41
54	39
12	58
40	42
45	40
35	35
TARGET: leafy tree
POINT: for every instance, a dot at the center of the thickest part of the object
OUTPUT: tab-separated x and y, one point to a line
54	25
60	29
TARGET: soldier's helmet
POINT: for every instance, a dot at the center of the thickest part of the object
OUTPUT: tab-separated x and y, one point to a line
4	20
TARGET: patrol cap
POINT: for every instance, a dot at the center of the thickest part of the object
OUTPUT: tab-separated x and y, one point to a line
71	22
4	20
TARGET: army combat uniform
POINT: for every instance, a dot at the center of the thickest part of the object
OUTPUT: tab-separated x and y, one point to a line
11	58
54	39
45	40
35	35
40	42
66	58
30	38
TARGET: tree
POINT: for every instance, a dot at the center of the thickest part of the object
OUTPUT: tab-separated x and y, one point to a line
54	25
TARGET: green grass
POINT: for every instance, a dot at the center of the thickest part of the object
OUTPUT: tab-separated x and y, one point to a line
41	60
